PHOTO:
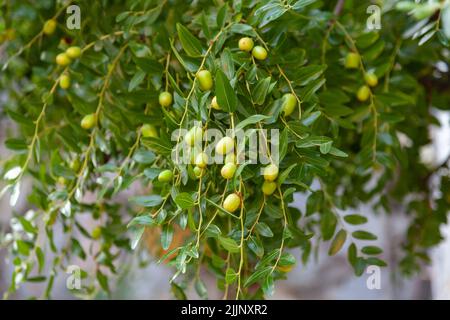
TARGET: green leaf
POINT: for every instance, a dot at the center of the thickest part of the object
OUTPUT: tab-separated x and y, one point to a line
257	275
230	276
264	230
102	280
229	244
250	120
355	219
200	288
226	96
136	235
337	242
256	246
371	250
166	236
364	235
184	200
147	201
260	92
190	44
136	80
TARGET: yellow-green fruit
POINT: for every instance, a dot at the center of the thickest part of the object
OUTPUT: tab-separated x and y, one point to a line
289	103
363	93
214	103
259	53
194	136
198	172
246	44
270	172
352	61
268	187
61	181
225	145
63	60
201	160
149	131
96	233
230	158
205	80
64	81
228	170
88	122
165	99
232	202
371	79
49	27
73	52
165	176
75	165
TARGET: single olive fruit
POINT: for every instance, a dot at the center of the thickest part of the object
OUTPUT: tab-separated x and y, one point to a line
225	145
205	80
230	158
165	176
268	187
165	99
63	60
49	27
259	53
198	172
289	103
201	160
270	172
64	81
371	79
96	233
75	165
246	44
363	93
232	202
352	60
88	122
73	52
214	103
194	136
228	170
149	131
61	181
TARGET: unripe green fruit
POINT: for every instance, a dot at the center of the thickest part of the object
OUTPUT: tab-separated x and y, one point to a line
64	81
230	158
194	136
289	103
352	60
198	172
363	93
88	122
232	202
214	103
371	79
63	60
149	131
165	99
96	233
259	53
268	187
165	176
75	165
205	80
61	181
270	172
49	27
201	160
246	44
228	170
225	145
73	52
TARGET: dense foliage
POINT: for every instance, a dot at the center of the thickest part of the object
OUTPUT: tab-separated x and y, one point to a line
353	108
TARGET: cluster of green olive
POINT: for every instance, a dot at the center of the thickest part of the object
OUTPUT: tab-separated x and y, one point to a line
353	61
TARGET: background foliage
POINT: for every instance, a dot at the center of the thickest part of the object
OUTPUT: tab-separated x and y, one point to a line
340	151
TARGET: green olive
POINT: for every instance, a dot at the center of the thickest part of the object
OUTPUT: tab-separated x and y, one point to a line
73	52
225	145
49	27
246	44
201	160
198	172
352	60
228	170
88	122
64	81
205	80
165	176
165	99
96	233
289	103
232	202
259	53
363	93
270	172
214	103
194	136
149	131
63	60
371	79
268	187
75	165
